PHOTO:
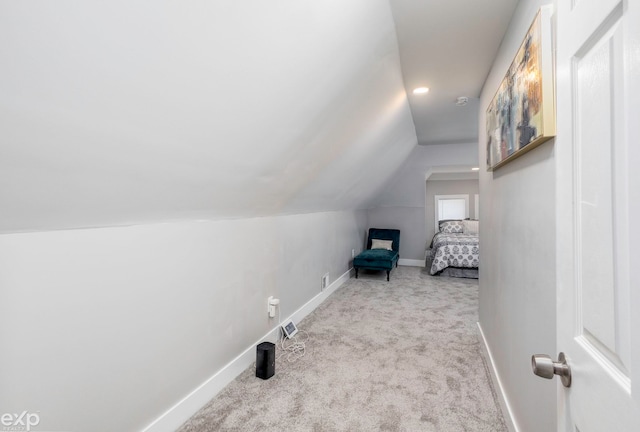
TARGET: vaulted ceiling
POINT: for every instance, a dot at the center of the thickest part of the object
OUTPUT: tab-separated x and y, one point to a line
131	112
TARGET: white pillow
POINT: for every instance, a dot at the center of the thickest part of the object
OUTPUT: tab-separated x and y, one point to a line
471	226
381	244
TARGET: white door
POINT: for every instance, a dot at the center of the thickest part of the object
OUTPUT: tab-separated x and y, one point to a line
598	213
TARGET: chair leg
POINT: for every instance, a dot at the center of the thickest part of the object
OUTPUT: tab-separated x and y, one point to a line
388	271
396	264
356	273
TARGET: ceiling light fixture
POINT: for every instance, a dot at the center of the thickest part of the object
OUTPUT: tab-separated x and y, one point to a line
462	101
475	169
421	90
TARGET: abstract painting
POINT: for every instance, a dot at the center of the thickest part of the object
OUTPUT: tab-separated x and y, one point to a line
521	115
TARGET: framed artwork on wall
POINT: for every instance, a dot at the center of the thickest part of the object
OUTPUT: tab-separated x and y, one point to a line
521	115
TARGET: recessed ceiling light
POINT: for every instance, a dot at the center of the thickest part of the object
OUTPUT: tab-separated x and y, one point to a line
475	169
421	90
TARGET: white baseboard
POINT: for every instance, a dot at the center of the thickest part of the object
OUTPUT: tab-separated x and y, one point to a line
309	307
411	262
173	418
507	413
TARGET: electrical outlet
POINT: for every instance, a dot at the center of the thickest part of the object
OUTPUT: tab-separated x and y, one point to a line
272	304
325	281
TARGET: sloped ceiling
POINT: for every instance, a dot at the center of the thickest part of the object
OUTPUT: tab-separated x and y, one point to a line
449	47
140	111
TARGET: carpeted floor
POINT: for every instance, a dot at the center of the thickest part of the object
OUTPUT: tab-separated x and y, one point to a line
382	356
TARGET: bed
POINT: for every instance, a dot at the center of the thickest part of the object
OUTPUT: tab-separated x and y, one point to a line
455	249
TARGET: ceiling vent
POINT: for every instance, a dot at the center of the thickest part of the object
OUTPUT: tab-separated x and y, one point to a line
462	101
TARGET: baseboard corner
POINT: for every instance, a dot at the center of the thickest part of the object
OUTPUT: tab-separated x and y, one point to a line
411	262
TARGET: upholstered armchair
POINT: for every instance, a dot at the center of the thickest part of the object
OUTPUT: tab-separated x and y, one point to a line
382	252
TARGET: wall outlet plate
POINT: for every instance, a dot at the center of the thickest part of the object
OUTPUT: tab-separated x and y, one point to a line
272	304
325	281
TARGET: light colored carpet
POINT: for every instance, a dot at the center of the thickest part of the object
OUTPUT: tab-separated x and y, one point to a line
382	356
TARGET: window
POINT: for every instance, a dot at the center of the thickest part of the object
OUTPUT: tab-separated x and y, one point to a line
451	207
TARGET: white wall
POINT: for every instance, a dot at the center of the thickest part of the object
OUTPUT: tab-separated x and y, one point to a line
410	222
517	277
401	203
130	112
105	329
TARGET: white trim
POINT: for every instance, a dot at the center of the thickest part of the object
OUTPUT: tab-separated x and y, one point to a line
507	412
175	416
447	169
309	307
476	214
411	262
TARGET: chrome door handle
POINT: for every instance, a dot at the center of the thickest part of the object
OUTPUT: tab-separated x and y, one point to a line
544	367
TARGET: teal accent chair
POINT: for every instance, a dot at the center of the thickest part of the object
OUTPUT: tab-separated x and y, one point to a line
379	259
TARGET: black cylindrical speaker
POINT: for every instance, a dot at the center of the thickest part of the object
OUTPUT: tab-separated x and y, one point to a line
265	360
